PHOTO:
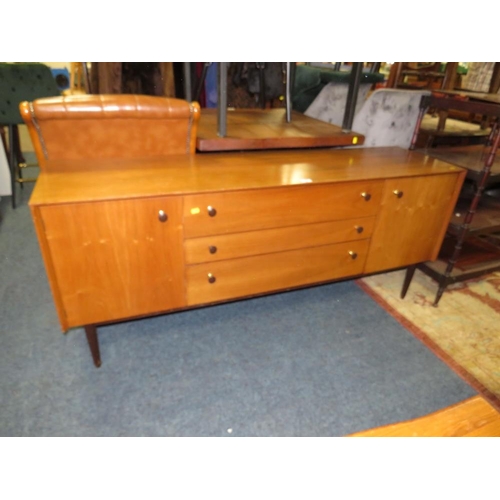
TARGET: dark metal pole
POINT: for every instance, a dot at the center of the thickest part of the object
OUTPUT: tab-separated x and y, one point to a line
288	90
262	84
188	92
352	95
222	100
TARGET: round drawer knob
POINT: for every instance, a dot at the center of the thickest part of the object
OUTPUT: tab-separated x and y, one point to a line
359	229
211	278
366	196
212	249
398	193
211	211
353	254
162	216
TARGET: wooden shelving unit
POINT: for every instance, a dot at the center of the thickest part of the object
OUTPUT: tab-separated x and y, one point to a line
471	247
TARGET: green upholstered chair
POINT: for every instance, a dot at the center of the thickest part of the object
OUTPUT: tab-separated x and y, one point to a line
21	82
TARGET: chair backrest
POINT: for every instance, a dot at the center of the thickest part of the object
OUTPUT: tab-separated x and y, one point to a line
23	82
388	117
110	126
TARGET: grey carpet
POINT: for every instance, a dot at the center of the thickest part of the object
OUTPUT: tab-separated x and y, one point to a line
324	361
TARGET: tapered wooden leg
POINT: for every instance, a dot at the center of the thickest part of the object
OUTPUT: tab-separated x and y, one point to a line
91	333
410	271
439	294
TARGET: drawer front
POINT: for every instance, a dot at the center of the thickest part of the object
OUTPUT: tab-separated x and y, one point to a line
211	282
230	246
238	211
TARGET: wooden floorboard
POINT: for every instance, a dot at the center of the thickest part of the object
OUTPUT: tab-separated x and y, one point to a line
474	417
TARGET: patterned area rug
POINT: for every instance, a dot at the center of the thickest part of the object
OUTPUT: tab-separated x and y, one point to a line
464	330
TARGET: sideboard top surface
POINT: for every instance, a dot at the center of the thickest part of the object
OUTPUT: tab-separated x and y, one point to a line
106	179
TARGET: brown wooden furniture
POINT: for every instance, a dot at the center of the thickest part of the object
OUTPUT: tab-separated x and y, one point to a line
249	129
134	237
422	75
94	127
474	96
472	244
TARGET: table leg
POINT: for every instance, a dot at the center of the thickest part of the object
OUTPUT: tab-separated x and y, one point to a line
410	271
93	341
222	100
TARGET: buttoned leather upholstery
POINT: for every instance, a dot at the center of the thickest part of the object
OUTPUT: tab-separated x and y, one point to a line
110	126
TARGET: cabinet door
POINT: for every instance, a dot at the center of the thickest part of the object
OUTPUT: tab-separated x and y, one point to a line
115	259
412	221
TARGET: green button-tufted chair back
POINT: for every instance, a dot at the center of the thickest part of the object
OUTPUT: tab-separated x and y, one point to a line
21	82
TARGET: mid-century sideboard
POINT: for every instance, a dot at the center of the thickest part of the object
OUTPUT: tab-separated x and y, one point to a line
131	238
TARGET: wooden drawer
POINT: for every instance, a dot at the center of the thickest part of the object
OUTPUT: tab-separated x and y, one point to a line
230	246
277	271
238	211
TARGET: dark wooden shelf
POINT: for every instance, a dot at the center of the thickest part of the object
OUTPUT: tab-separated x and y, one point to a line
470	157
486	220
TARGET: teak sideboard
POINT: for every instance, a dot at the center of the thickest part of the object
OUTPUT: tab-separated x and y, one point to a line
131	238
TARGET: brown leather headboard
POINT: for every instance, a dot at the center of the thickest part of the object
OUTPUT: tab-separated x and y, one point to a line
110	126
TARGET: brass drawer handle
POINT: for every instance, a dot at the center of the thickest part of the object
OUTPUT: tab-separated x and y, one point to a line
211	211
398	193
353	254
366	196
359	229
162	216
211	278
212	249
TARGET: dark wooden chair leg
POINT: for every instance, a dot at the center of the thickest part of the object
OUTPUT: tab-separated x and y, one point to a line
439	294
91	333
12	164
410	271
19	158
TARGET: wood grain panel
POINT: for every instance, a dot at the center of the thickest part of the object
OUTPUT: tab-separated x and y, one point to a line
114	260
470	418
230	246
249	129
268	208
410	229
104	179
265	273
49	266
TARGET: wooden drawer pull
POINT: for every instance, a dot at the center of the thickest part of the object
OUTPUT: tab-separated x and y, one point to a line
162	216
211	211
212	249
359	229
211	278
366	196
398	193
353	254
